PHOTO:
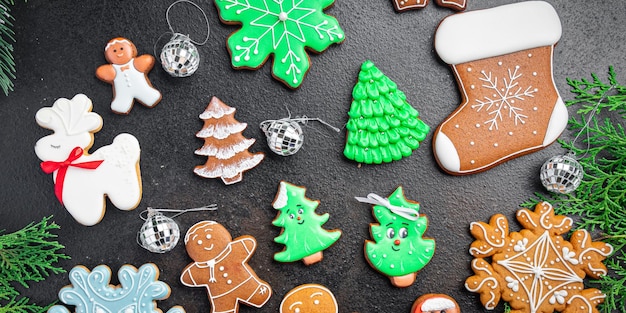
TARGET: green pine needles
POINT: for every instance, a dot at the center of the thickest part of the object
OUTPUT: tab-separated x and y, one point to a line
600	200
27	255
7	63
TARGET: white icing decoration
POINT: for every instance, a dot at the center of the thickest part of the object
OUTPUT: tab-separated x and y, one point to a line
437	304
521	245
497	31
503	99
303	289
117	176
539	270
281	197
225	152
512	283
221	131
214	110
132	84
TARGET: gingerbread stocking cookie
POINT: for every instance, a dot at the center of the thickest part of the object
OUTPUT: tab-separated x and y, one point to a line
221	266
502	60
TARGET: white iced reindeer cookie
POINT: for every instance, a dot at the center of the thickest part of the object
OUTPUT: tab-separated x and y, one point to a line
82	180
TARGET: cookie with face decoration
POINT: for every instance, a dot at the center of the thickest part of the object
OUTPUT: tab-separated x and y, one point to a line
309	298
399	249
220	264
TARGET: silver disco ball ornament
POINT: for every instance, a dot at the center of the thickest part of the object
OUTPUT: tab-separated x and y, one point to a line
284	136
159	233
180	57
562	174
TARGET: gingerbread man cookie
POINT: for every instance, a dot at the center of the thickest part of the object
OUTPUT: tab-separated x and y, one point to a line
221	266
536	270
128	73
82	180
309	298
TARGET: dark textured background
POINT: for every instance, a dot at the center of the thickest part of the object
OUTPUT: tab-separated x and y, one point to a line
60	43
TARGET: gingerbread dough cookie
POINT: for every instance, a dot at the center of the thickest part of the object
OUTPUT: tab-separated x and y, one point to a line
536	270
502	60
128	73
221	266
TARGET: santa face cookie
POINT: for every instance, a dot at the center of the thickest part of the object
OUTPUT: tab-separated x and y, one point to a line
536	270
510	104
309	298
435	303
82	180
221	266
128	73
91	291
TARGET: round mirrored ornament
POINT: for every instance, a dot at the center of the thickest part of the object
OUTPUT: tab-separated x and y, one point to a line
180	57
159	234
284	137
561	174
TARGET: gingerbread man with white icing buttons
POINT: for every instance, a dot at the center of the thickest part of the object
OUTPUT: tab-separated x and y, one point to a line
128	73
220	265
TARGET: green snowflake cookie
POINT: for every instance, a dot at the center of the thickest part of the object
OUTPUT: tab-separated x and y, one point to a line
399	249
280	27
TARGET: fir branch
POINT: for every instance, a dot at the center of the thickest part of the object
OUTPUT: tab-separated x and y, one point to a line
27	255
600	199
7	62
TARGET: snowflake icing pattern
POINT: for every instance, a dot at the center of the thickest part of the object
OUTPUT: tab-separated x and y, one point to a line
503	98
536	270
280	27
91	292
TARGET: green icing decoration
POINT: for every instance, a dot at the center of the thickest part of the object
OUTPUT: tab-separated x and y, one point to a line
282	28
399	247
382	125
302	233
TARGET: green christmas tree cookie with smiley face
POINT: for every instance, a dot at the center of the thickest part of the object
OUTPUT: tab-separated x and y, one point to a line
302	234
399	249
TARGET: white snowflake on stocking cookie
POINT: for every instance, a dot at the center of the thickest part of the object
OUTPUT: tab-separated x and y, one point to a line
505	98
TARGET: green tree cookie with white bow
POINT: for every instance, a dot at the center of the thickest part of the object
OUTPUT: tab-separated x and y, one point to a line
302	234
399	249
282	28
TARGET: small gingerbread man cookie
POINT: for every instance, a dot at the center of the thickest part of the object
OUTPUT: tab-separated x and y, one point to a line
128	73
221	266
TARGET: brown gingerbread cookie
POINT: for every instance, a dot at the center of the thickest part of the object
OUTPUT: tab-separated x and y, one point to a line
510	105
536	270
221	266
309	298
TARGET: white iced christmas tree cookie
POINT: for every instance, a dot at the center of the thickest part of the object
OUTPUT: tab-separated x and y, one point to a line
502	60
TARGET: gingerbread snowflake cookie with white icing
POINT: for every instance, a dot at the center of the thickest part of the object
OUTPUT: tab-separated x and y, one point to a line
536	269
502	60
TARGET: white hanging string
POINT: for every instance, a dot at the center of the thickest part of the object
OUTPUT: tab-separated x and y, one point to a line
150	211
585	127
372	198
208	27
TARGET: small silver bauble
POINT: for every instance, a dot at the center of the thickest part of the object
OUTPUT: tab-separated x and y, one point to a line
284	136
180	57
562	174
159	233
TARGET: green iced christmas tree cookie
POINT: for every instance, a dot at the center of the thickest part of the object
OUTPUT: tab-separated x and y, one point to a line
284	29
382	125
399	249
302	234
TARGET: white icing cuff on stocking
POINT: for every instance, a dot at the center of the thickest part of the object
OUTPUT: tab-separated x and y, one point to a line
447	155
497	31
557	123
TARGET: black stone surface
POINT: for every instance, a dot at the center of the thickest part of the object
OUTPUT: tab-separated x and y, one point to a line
60	44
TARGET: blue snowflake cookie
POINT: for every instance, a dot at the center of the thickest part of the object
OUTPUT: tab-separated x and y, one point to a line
91	292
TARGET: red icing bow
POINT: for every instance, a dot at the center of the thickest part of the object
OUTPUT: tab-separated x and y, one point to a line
50	166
